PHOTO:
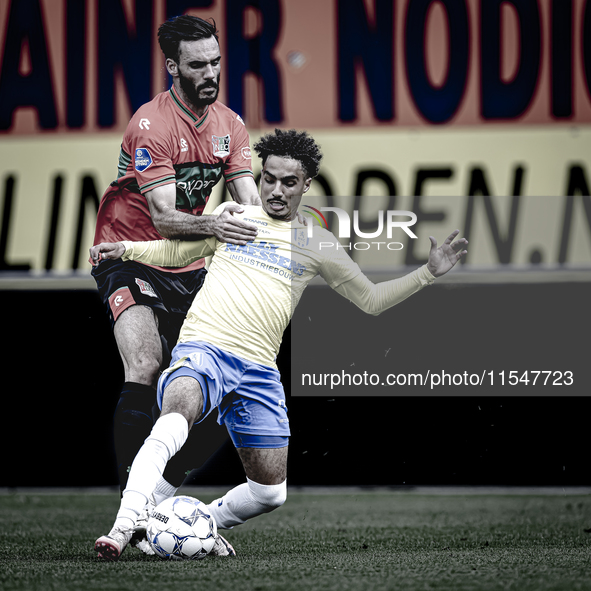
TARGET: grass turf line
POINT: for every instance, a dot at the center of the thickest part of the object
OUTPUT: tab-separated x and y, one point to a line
367	540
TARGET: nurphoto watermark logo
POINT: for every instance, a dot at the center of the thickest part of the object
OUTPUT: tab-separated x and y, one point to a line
389	221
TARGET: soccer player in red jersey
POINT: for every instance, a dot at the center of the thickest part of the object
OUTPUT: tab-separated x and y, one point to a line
174	150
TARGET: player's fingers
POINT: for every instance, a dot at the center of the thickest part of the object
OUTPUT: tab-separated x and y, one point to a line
95	253
243	225
433	244
459	244
228	220
301	219
237	237
233	207
451	237
237	241
238	234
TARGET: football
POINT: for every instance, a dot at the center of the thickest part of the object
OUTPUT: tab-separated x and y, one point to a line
179	528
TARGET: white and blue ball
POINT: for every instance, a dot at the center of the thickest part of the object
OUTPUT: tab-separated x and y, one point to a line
180	528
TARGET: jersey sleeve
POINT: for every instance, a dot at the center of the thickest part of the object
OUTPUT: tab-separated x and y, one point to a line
239	163
336	265
148	145
168	253
376	298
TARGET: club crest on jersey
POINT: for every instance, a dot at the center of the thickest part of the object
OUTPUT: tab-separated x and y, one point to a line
300	238
143	159
146	288
221	145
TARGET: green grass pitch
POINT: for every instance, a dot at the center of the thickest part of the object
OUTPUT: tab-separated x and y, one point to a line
337	540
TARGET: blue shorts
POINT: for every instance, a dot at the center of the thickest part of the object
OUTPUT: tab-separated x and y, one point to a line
249	397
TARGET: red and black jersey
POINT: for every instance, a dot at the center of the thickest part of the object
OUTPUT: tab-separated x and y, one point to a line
165	142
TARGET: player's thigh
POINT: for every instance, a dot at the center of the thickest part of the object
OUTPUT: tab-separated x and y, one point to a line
138	339
183	395
264	465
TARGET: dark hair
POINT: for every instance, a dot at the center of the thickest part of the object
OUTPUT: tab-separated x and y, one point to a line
291	144
183	28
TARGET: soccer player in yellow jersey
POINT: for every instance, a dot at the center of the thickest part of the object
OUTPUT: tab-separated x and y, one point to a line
225	356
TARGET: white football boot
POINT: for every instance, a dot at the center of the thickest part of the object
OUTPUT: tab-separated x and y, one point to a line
222	547
139	539
111	546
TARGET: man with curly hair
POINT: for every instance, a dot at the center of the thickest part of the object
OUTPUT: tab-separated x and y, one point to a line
225	356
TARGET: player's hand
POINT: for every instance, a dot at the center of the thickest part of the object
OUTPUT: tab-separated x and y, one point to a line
442	259
106	250
303	220
227	228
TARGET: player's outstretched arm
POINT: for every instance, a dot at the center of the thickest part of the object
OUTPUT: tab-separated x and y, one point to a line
164	253
376	298
443	258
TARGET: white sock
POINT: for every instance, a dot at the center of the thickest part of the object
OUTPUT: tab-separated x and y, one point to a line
167	437
246	501
163	490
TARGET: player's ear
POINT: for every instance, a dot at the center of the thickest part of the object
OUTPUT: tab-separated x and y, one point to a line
307	184
172	67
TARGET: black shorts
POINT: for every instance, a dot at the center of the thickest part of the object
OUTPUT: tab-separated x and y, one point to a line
122	284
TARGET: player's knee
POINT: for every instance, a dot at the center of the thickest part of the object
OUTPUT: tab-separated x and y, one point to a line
145	369
184	396
269	496
140	346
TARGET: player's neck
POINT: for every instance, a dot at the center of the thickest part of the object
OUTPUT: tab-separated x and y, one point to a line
198	111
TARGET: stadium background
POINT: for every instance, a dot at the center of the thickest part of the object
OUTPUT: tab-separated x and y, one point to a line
473	114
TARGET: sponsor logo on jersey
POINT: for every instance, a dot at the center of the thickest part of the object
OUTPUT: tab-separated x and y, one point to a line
143	159
241	120
146	288
184	145
246	153
194	186
268	253
194	182
144	123
260	222
221	145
